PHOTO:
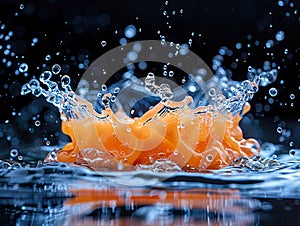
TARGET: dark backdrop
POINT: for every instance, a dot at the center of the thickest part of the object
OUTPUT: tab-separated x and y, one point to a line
71	33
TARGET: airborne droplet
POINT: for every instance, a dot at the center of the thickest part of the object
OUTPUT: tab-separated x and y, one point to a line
103	43
56	69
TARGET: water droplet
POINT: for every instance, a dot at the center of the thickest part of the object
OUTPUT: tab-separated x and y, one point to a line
113	98
103	43
33	84
280	3
56	69
130	31
171	73
269	43
238	45
21	6
292	152
45	76
104	88
23	68
116	90
280	36
25	89
14	153
273	92
209	157
212	92
292	96
65	80
35	40
37	123
279	129
48	57
120	166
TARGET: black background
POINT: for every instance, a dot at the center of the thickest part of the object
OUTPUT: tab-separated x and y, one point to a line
76	28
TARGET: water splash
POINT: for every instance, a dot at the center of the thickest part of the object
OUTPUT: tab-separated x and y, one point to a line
132	141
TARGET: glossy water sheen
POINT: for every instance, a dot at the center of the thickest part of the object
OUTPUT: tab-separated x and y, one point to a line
61	194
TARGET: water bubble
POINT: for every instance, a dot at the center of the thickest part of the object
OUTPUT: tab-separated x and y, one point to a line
65	80
33	83
48	57
132	56
104	88
117	90
35	40
212	92
273	92
279	129
23	68
37	91
25	89
103	43
209	157
165	91
292	96
130	31
238	45
142	65
56	69
106	100
20	157
192	88
45	76
14	153
113	98
123	41
37	123
270	43
280	3
280	36
292	152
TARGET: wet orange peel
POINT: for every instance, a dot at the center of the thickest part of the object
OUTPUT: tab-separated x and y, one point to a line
192	138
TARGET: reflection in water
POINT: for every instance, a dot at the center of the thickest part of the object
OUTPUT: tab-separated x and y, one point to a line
61	194
121	206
